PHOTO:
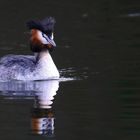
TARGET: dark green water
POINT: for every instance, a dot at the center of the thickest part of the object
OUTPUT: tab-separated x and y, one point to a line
99	47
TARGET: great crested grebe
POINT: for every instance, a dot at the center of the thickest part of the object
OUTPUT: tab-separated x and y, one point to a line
37	67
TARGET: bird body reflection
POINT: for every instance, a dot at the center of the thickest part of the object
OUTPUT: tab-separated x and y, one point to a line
43	92
42	121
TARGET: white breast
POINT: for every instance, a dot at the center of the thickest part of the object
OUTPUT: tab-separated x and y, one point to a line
46	67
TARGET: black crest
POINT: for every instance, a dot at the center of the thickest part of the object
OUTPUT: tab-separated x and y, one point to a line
46	25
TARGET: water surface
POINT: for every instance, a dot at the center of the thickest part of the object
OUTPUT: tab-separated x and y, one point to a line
98	58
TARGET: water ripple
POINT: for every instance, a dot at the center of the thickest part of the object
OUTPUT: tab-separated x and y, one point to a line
131	15
73	73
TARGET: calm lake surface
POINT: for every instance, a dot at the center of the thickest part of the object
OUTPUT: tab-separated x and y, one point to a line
98	56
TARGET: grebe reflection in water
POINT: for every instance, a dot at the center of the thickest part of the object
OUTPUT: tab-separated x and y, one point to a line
37	67
42	115
42	92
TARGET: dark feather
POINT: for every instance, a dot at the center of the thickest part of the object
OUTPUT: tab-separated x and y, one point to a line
46	25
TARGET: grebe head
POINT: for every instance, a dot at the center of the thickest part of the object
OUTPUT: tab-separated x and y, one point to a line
42	34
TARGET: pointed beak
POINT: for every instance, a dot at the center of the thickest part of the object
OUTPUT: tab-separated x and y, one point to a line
49	40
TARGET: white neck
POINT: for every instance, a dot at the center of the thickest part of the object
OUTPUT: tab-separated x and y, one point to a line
41	55
45	65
